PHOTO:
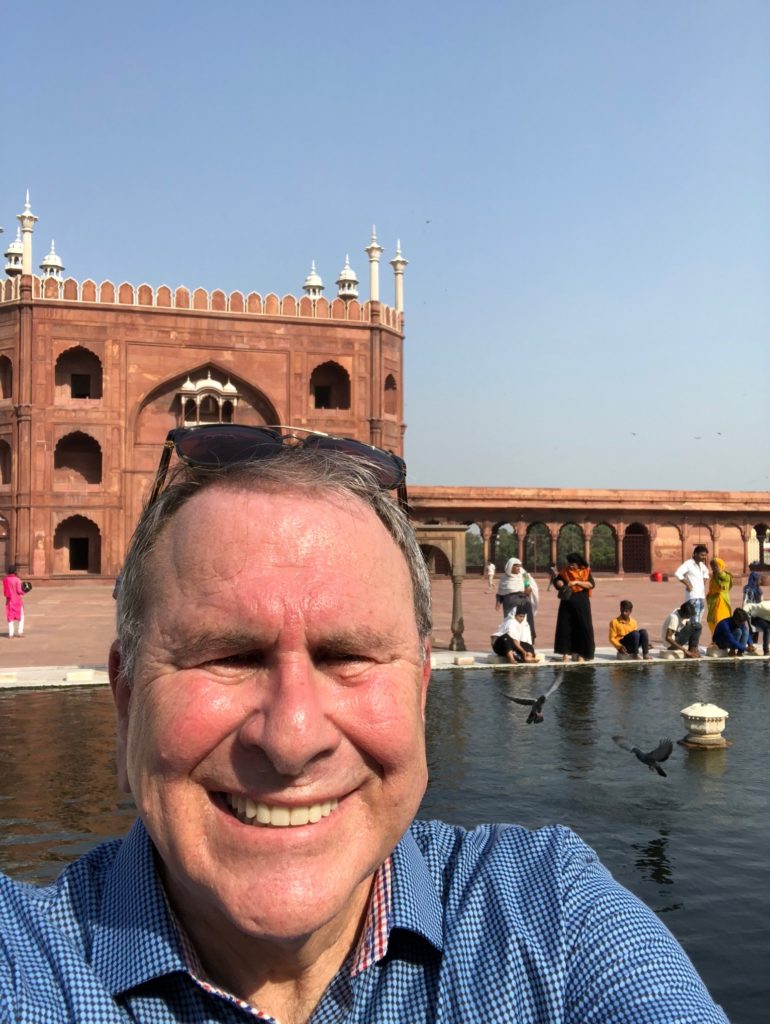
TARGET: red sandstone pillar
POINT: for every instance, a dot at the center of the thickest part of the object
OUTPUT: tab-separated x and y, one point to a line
21	540
487	549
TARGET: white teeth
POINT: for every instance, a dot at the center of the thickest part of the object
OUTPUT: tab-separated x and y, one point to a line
250	812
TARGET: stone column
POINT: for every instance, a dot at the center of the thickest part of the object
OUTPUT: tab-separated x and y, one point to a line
486	539
620	532
22	538
457	643
554	541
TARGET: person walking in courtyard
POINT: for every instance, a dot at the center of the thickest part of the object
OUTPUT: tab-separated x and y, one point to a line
718	597
694	574
626	637
491	575
574	626
14	601
681	631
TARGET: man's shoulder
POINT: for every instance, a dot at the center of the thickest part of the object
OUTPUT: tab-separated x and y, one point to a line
80	882
491	853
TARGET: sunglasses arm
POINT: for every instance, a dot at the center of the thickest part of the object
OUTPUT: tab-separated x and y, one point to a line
160	476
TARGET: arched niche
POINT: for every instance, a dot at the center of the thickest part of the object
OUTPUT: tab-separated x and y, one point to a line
167	405
6	464
436	560
329	387
77	546
5	544
390	397
636	548
6	378
77	462
77	375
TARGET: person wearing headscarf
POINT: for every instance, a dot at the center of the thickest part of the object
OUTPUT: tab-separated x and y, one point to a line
515	590
718	596
574	625
752	591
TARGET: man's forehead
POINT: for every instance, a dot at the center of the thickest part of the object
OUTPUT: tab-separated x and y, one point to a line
221	529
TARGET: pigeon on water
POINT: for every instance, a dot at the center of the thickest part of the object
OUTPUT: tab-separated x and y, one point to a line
535	716
653	759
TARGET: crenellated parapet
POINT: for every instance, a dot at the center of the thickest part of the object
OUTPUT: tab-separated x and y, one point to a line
200	300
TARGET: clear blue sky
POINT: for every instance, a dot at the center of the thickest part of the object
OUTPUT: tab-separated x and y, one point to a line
582	190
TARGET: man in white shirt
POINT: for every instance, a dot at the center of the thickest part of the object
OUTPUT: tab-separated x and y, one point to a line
681	631
694	574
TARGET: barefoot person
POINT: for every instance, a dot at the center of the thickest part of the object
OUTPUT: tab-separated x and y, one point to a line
513	640
626	636
681	631
14	602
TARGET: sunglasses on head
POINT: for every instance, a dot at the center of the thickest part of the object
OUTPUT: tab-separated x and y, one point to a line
223	444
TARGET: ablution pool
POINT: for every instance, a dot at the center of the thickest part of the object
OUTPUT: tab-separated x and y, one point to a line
694	846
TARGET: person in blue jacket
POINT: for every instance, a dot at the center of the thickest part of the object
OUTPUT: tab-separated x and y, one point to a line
732	634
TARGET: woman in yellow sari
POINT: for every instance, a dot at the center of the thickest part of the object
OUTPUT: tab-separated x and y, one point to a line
718	596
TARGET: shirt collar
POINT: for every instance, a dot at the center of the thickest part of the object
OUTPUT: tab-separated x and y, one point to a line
136	939
416	903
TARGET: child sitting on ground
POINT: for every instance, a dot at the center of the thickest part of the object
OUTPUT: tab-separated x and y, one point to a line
512	639
626	637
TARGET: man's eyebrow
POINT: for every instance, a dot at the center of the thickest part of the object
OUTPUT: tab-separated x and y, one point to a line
222	640
356	640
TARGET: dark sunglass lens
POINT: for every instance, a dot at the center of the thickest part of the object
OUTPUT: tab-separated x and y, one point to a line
389	469
217	447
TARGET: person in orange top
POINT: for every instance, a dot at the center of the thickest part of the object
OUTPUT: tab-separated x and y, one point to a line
625	635
574	626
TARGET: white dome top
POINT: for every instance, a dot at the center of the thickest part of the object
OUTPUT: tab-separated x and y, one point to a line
701	710
52	261
347	273
15	248
313	279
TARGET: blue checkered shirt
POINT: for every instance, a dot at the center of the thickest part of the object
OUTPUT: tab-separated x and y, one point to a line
498	924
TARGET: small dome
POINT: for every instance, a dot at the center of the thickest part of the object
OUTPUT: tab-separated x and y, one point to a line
188	387
52	262
313	279
15	248
347	273
230	388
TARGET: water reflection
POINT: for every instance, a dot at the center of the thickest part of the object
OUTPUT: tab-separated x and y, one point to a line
694	842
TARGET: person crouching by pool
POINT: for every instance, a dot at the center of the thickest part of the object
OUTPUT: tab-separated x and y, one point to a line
512	639
681	631
626	637
732	635
759	616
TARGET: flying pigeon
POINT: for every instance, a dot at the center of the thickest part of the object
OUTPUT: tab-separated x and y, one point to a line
661	753
535	716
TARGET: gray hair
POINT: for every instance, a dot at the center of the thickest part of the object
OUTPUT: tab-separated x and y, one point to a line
289	469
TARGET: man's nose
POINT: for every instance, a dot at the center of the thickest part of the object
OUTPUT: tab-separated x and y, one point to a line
292	726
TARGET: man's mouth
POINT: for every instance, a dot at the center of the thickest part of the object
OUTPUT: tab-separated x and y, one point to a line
250	812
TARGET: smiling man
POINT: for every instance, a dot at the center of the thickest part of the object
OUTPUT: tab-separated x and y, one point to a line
270	677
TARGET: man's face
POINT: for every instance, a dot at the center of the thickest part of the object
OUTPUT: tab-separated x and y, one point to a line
701	556
279	676
625	614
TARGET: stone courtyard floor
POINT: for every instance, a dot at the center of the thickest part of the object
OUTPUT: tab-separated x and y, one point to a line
69	627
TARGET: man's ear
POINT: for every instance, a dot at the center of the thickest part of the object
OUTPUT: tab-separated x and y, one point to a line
425	678
121	694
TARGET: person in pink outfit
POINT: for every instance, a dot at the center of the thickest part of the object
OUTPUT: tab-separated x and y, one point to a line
14	604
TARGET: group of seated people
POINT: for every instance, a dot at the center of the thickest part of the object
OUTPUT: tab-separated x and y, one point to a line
736	634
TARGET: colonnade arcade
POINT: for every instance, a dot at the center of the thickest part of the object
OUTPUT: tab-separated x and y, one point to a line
635	547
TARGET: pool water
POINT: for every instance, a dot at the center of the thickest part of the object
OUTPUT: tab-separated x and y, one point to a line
694	846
